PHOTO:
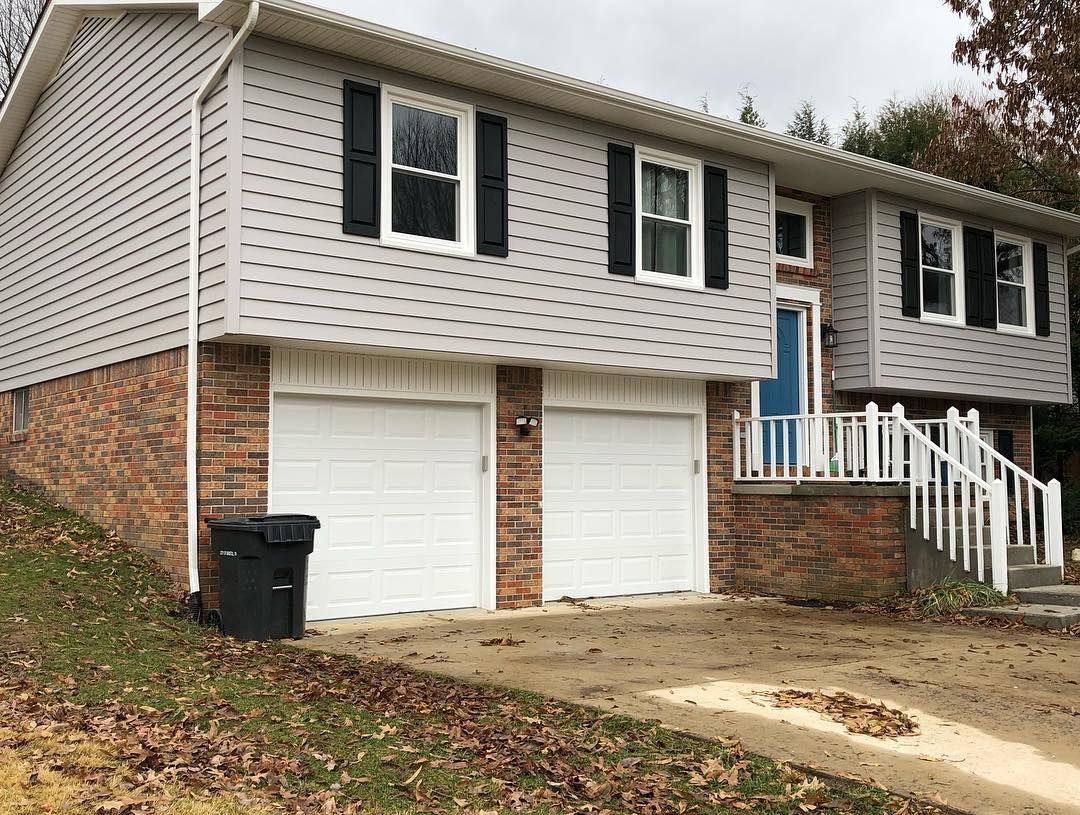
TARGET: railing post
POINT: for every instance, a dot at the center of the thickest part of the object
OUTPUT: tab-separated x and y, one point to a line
999	523
873	468
952	441
1055	554
974	451
736	456
898	442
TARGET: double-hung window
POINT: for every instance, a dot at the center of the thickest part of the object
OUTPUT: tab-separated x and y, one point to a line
427	186
942	283
1015	304
669	219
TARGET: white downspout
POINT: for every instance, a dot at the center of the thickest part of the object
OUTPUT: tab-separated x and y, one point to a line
193	294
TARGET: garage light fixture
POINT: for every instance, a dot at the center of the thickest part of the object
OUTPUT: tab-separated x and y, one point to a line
526	423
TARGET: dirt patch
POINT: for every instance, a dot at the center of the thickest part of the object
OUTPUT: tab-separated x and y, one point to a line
857	715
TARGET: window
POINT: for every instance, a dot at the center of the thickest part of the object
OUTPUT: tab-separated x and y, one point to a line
1015	305
794	232
21	414
940	259
427	182
669	233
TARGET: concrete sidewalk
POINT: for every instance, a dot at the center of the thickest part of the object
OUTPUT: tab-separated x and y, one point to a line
999	710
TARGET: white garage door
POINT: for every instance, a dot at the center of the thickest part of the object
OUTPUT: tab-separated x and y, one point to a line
618	503
397	486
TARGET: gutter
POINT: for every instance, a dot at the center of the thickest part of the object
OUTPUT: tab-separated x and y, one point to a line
194	589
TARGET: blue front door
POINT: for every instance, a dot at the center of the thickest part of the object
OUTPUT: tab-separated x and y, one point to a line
781	396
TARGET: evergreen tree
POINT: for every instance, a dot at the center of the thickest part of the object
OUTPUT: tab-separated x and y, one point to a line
806	124
748	113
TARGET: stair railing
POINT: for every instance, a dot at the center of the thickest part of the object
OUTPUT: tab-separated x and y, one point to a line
953	488
1029	495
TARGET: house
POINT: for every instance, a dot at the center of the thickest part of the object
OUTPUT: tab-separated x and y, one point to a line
512	336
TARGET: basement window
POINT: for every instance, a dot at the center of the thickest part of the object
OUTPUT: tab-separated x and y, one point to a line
21	415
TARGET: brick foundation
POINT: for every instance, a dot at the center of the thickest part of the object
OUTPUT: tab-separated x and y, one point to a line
109	444
519	559
821	546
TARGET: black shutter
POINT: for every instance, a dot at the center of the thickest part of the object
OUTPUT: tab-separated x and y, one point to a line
620	187
1042	290
972	278
988	268
910	290
716	228
361	160
492	209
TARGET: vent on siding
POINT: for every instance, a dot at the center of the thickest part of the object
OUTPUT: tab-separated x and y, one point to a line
83	39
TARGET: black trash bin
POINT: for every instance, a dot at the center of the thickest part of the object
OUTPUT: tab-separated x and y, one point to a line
262	573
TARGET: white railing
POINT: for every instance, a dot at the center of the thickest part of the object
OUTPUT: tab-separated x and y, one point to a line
954	476
1030	497
853	446
959	497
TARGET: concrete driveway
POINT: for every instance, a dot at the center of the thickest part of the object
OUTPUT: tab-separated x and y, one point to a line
998	710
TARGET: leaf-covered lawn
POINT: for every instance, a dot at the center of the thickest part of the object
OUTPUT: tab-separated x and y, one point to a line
111	704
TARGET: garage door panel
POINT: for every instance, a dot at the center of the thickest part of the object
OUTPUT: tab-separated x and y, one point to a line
396	486
618	503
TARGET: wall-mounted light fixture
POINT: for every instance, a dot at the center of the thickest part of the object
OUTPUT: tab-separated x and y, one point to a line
829	336
526	423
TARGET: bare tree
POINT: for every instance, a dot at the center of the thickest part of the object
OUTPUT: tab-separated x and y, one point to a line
17	21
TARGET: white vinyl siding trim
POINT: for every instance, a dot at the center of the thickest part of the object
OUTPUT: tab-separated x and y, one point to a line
582	388
551	302
466	200
806	210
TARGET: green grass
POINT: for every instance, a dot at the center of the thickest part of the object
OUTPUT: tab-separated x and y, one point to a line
952	596
87	622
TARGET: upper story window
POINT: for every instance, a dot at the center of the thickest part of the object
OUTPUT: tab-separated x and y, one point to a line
795	232
940	259
1015	305
428	201
21	413
669	220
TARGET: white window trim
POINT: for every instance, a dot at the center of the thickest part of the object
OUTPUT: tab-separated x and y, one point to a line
1026	251
805	209
466	245
15	415
957	317
695	209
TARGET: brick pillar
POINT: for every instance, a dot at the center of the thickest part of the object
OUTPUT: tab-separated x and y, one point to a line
721	398
519	489
234	441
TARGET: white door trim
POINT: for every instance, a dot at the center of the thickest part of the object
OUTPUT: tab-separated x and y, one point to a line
699	443
486	401
802	299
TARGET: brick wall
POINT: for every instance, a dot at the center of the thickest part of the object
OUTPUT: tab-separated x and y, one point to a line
234	441
519	559
721	398
109	444
827	547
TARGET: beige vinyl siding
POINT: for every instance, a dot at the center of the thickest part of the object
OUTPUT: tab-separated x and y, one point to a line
94	201
959	360
851	263
551	301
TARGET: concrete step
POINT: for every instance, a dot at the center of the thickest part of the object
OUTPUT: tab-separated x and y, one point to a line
1020	555
1038	615
1060	595
1023	577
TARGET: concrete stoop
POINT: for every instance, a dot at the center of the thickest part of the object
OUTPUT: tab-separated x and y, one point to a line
1038	615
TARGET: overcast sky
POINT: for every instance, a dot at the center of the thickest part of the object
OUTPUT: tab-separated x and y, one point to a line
830	51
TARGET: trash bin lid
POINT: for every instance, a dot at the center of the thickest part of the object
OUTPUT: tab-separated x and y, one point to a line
275	527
